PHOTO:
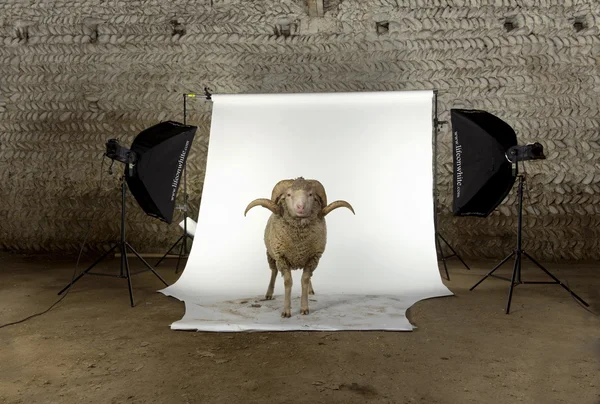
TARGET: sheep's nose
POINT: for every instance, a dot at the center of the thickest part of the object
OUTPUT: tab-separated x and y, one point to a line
300	207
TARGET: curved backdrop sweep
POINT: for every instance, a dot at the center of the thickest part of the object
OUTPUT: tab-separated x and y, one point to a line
373	149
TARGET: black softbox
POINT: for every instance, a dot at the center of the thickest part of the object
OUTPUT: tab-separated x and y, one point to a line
161	152
483	175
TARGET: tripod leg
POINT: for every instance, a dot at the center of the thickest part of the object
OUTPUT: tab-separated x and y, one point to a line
493	269
167	253
145	263
88	269
556	279
125	263
180	252
439	246
123	258
516	268
454	252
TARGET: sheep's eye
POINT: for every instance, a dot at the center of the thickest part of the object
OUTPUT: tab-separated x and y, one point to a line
309	194
289	194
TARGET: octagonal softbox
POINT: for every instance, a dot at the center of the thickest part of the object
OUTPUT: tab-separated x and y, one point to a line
483	175
161	152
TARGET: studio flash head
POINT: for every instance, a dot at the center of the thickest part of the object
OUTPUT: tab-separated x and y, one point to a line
117	152
531	151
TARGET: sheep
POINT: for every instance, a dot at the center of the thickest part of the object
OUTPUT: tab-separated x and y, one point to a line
296	234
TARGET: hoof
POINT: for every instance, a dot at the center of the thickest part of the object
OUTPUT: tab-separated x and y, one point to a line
269	297
311	292
286	314
304	311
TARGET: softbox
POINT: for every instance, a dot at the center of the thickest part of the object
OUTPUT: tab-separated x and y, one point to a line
161	152
483	175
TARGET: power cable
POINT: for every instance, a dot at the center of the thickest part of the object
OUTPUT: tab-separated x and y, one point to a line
76	265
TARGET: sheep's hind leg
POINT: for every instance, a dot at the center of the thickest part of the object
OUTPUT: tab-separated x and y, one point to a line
273	268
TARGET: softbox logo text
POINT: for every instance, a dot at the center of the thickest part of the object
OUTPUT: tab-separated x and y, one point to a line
175	182
458	164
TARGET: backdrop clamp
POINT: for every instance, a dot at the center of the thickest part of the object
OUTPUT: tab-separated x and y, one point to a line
207	93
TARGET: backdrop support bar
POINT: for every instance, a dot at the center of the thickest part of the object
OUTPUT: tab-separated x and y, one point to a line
438	235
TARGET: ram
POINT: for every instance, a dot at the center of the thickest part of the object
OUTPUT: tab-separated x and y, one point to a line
296	234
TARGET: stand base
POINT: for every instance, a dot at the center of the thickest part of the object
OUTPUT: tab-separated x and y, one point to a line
124	273
182	251
516	276
438	237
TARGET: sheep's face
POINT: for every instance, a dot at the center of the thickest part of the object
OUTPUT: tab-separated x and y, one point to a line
300	201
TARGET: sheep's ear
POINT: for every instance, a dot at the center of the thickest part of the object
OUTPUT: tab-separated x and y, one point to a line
320	191
320	199
278	199
279	189
279	210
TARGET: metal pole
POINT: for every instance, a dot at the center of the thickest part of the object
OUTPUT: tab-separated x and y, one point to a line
123	201
435	135
520	226
185	196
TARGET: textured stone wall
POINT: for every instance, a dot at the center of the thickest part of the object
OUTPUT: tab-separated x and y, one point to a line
75	73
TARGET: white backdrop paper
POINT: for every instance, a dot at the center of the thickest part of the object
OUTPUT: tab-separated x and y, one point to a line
373	150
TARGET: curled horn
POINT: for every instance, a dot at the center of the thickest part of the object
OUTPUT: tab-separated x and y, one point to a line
273	203
334	205
266	203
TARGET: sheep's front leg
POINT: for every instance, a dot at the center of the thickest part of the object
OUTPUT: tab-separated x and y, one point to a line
305	286
287	301
306	283
287	283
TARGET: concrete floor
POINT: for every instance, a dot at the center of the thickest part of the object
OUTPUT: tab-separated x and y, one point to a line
94	348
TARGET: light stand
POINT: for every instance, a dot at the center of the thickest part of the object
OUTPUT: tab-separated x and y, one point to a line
519	252
123	246
183	250
438	235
